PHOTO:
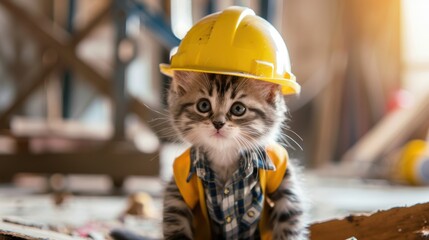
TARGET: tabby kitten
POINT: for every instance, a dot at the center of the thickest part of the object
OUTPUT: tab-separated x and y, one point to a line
229	119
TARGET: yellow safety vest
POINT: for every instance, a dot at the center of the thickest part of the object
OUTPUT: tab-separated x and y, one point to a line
193	191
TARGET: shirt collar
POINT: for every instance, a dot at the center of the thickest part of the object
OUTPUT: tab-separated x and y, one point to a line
249	160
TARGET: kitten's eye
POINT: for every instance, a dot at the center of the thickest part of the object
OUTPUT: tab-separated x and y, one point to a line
204	105
238	109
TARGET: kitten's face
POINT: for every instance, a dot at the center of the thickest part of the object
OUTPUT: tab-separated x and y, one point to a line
225	112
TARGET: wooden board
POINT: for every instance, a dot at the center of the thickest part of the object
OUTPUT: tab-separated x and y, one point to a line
103	161
14	231
396	223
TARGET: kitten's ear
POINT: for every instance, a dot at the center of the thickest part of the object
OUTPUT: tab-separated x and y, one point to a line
269	91
181	82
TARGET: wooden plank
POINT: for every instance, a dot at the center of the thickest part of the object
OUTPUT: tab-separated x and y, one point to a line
116	163
396	223
73	130
14	231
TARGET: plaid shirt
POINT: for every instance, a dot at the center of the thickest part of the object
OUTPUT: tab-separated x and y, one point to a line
235	207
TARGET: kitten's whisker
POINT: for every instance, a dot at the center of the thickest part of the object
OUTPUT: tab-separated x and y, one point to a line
284	139
296	134
157	124
244	143
258	150
173	133
293	140
156	111
165	119
252	146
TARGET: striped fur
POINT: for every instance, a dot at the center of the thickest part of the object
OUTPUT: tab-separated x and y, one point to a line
288	214
258	126
177	217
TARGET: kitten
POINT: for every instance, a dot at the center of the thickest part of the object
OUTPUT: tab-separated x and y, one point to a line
224	118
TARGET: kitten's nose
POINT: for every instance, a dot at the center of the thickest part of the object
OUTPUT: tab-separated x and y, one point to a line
218	124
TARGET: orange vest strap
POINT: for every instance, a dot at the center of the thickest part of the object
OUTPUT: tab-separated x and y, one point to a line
188	190
279	158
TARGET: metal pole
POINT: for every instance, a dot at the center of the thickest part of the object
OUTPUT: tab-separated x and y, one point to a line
268	10
67	76
118	84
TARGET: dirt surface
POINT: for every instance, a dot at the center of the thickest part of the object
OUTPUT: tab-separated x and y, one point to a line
396	223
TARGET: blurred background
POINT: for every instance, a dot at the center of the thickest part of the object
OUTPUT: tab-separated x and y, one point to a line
85	144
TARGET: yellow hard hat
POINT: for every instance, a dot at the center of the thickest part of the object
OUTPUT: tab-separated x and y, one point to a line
235	42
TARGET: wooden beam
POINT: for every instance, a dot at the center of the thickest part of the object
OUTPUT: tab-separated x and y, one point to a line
38	26
115	163
396	223
37	79
82	33
34	82
58	40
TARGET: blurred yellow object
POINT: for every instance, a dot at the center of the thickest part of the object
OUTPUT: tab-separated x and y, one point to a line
414	163
235	42
140	204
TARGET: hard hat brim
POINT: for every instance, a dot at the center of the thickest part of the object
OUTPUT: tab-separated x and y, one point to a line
289	85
